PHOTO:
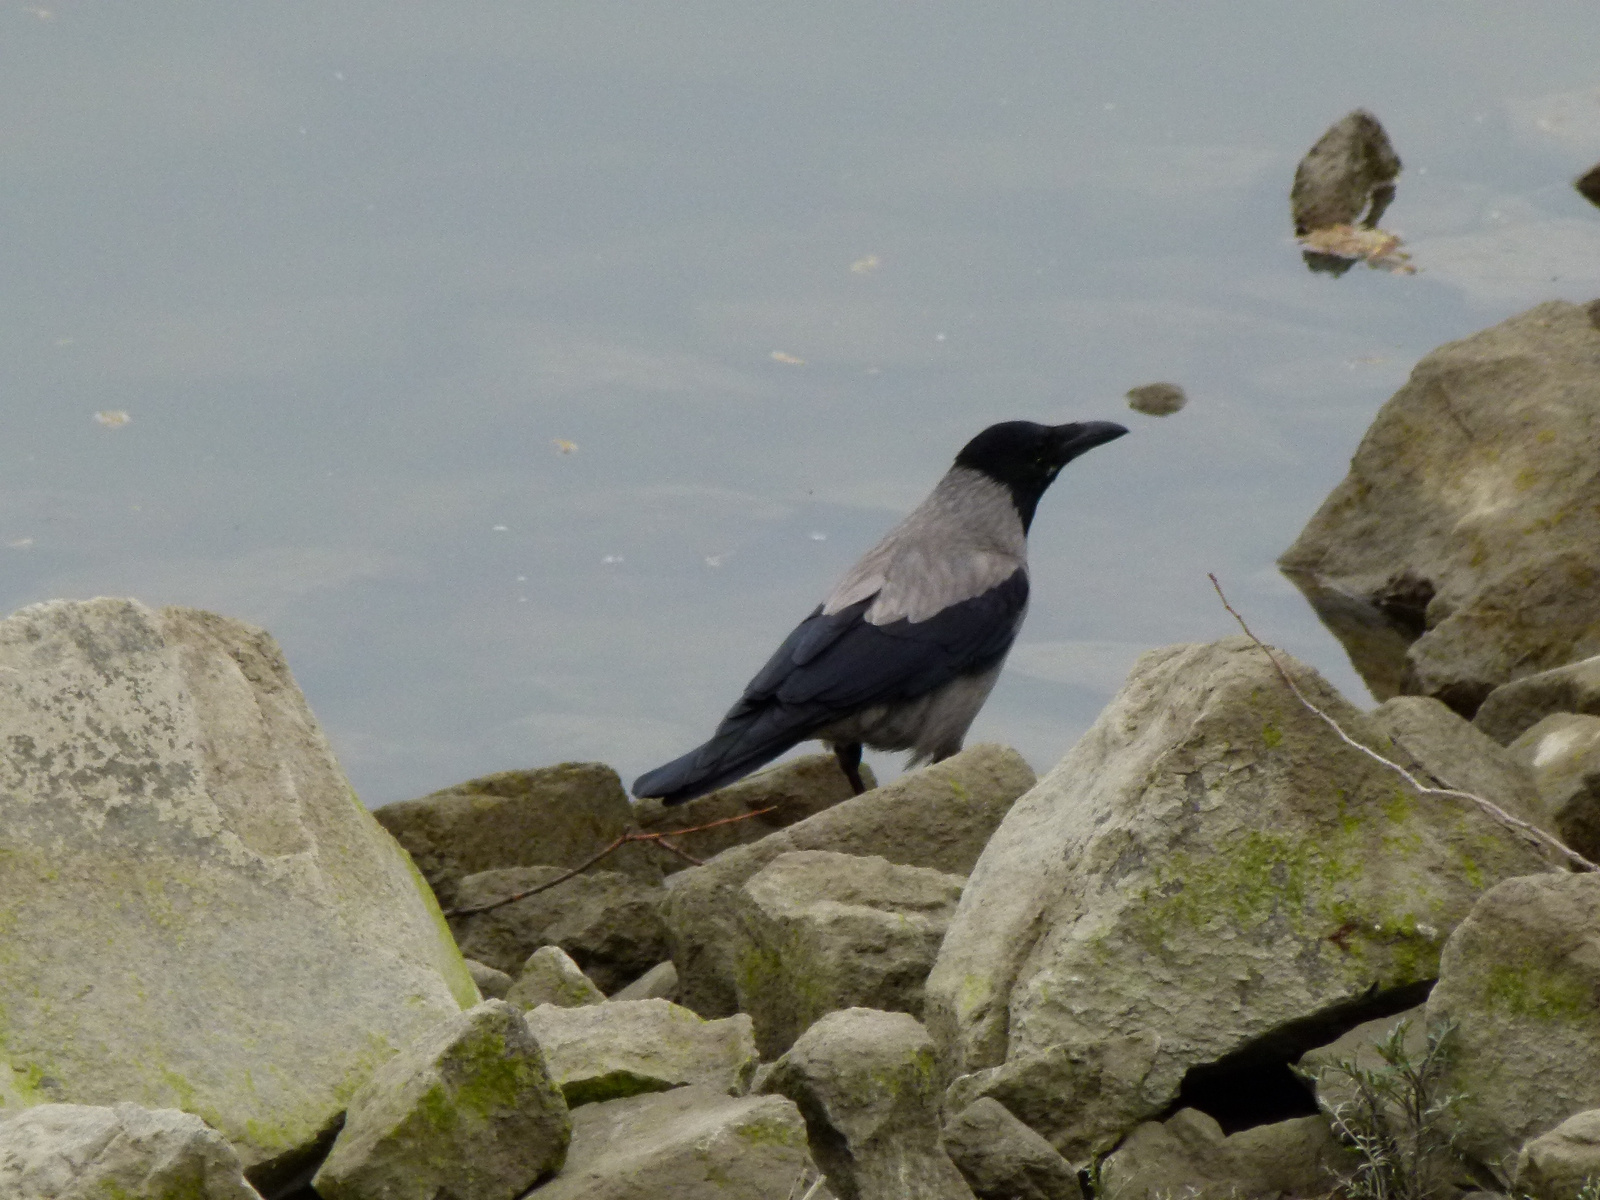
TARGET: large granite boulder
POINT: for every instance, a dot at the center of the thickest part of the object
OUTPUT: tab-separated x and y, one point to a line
867	1084
468	1112
85	1152
1562	752
1516	707
938	817
1210	883
821	931
1463	549
1520	979
624	1047
694	1143
557	816
792	790
609	922
1187	1155
195	910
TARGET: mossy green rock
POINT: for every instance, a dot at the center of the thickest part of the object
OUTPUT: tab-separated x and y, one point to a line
820	931
867	1083
195	910
1520	980
625	1047
551	977
1209	868
693	1143
85	1152
469	1112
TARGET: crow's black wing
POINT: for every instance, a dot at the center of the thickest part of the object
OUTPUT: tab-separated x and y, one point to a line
834	665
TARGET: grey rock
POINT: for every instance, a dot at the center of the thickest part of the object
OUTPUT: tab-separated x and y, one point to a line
820	931
1209	871
1516	707
607	921
694	1143
625	1047
1350	170
1002	1159
557	816
1187	1155
1557	1165
1358	1047
660	982
173	827
1462	551
793	790
469	1112
1563	754
492	984
551	977
85	1152
1520	978
867	1085
938	817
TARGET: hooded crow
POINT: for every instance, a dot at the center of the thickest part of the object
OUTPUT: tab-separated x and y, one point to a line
903	653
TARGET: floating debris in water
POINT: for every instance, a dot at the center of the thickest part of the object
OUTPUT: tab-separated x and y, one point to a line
612	559
20	544
498	529
1341	189
818	536
1157	399
1349	244
715	560
1588	185
866	265
791	360
112	418
564	446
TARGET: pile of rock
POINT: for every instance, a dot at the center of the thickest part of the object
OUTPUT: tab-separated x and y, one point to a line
1154	972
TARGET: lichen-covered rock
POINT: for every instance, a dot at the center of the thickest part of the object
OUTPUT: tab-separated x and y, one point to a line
84	1152
793	791
1559	1164
821	931
1352	166
607	921
469	1112
867	1084
1210	880
551	977
1187	1155
492	984
625	1047
660	982
1516	707
939	817
198	913
1563	754
557	816
1463	549
1520	979
1002	1159
694	1143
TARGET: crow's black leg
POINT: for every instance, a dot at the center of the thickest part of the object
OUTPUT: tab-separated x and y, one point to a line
849	756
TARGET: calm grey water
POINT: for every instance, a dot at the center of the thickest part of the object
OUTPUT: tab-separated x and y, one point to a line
355	271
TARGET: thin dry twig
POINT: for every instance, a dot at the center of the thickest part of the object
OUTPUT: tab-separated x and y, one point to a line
1488	806
659	839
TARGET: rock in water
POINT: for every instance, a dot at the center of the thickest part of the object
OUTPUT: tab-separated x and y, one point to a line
468	1112
81	1152
689	1144
1463	549
195	910
1209	884
866	1083
1521	981
1350	171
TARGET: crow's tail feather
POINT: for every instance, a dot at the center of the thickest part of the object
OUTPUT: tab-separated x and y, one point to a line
744	742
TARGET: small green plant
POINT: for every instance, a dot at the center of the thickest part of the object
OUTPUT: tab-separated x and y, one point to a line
1398	1118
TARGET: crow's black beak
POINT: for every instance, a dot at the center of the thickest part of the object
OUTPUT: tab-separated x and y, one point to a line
1074	439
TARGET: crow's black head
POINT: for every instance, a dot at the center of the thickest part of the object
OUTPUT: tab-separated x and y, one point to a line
1026	457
